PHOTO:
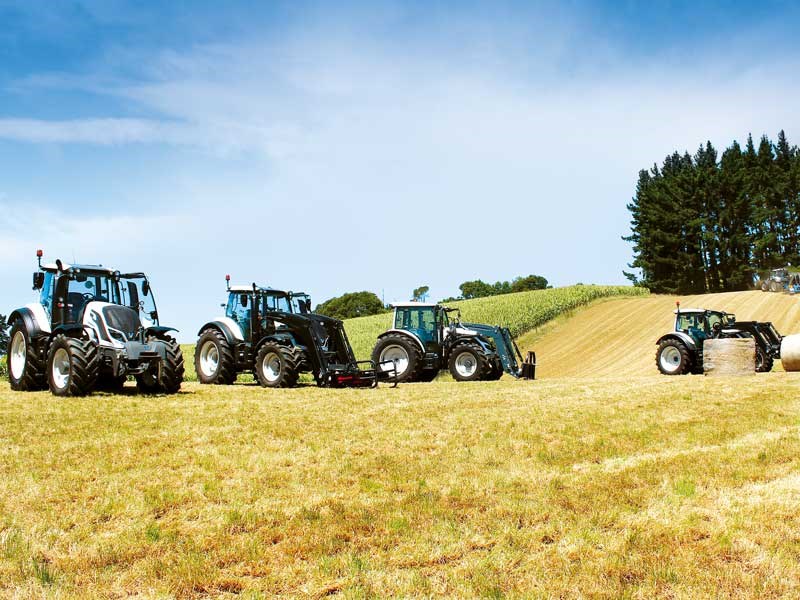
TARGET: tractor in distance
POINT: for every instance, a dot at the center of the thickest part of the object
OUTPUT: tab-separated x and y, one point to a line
92	327
275	335
681	351
780	280
425	340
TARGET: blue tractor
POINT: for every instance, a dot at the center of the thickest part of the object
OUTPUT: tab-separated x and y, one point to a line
91	328
681	351
275	335
428	337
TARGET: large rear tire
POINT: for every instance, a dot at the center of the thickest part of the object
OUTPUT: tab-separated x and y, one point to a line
278	366
25	367
774	286
73	366
213	359
673	358
403	351
467	362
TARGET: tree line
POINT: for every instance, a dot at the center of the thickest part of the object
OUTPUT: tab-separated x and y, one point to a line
706	223
362	304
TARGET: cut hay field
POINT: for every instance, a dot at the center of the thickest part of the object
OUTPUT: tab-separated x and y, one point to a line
617	337
627	487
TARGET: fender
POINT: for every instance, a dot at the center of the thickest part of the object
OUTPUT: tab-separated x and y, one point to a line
159	329
69	329
284	339
28	321
679	335
406	333
228	327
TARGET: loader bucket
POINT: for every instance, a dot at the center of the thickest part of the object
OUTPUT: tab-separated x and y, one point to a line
529	367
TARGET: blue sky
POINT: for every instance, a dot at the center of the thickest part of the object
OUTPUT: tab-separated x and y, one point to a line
345	146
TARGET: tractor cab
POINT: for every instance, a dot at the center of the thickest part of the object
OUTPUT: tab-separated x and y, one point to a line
426	321
701	324
242	300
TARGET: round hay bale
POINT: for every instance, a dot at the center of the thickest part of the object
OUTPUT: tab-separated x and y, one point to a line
734	356
790	352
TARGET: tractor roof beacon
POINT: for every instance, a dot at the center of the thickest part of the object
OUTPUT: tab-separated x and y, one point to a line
425	339
275	335
92	327
681	351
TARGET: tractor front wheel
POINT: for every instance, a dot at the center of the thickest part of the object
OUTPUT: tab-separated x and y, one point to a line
495	371
468	363
277	366
166	375
764	361
673	358
403	352
73	366
213	359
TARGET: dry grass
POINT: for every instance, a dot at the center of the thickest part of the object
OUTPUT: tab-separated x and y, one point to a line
615	488
617	337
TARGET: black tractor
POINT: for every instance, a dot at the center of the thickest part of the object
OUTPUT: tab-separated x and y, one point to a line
275	335
681	351
425	340
91	328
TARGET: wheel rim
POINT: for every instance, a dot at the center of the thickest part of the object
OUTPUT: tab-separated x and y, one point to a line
209	359
18	355
398	355
466	364
60	368
271	367
670	359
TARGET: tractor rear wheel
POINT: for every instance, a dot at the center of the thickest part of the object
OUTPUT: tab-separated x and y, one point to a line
764	361
213	359
468	363
73	366
774	286
166	375
673	358
278	366
403	351
25	368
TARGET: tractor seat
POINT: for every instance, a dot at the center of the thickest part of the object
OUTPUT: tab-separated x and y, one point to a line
697	333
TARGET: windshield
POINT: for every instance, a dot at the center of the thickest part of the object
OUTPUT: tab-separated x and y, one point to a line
276	302
301	304
139	297
92	288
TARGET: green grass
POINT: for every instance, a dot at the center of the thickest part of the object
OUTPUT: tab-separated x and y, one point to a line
520	312
640	487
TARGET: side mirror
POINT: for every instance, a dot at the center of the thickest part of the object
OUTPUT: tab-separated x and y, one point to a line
38	280
243	300
146	287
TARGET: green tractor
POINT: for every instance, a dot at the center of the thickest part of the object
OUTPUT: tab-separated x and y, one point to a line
681	351
425	339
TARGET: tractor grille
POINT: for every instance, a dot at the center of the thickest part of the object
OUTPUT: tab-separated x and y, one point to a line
123	319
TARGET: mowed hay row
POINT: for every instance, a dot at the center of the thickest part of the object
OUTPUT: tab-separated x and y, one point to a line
617	337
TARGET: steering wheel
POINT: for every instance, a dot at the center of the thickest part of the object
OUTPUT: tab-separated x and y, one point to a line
88	297
716	328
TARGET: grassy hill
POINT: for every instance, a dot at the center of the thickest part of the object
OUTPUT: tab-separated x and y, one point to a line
519	312
617	337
